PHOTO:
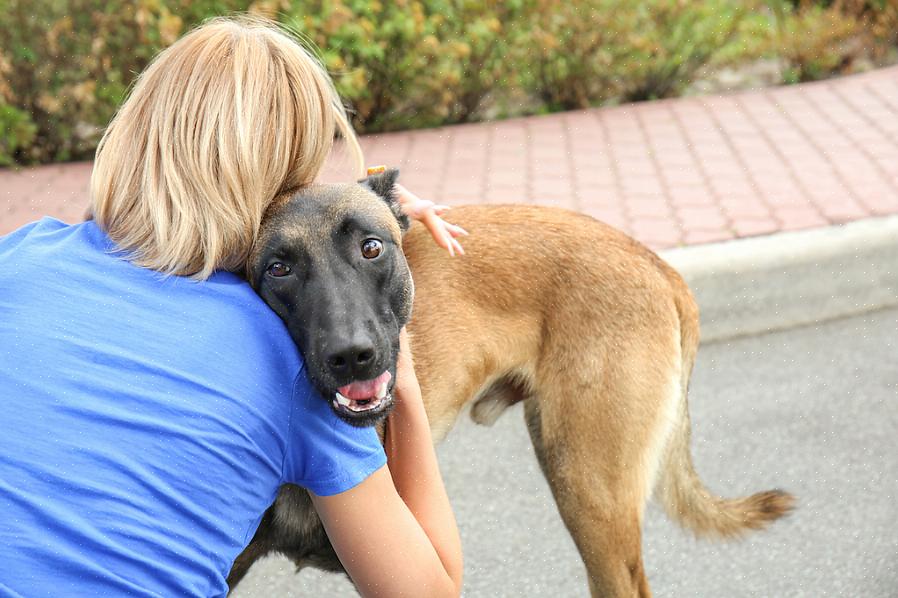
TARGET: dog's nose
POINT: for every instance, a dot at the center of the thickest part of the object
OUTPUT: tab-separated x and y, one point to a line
353	361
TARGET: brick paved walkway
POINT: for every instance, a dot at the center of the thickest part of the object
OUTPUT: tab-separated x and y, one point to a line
673	172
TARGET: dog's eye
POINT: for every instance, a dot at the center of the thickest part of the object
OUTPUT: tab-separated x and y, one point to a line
371	248
279	269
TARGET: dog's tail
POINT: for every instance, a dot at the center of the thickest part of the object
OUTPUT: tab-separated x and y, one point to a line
679	489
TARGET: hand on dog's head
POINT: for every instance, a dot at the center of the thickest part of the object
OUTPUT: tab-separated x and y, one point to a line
329	262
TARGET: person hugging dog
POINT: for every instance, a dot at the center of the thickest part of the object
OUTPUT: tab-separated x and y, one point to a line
153	404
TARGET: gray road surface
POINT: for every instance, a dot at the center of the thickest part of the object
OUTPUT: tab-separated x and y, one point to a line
813	410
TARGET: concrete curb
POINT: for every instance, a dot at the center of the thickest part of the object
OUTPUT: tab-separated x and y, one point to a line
750	286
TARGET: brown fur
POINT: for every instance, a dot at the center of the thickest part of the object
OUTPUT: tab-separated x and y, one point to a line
597	336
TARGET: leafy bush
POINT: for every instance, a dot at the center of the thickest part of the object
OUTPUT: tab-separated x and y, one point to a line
66	65
813	41
410	63
672	40
880	22
595	50
576	52
71	62
16	131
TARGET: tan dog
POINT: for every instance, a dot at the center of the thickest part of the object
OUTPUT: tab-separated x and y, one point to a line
593	332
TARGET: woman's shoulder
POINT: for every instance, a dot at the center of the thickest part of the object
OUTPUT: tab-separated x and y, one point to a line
238	314
218	324
28	231
224	317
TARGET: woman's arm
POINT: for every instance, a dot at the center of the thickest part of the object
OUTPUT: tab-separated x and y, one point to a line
413	465
385	550
395	532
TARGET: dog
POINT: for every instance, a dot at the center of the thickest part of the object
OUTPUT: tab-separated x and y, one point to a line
589	329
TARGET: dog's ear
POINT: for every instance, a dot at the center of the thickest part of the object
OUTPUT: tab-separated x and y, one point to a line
383	184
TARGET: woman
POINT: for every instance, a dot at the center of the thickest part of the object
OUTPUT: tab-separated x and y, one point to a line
152	403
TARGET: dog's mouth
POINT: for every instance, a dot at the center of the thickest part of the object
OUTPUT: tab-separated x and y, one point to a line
364	398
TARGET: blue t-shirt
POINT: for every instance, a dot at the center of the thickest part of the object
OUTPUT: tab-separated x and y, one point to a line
146	422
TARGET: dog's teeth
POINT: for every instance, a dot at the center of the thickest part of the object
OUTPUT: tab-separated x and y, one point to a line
383	391
342	400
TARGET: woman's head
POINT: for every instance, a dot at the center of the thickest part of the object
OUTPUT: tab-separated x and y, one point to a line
232	115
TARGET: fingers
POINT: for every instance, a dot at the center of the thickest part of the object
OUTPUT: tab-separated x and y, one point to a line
428	213
434	227
454	230
443	234
443	238
455	247
449	233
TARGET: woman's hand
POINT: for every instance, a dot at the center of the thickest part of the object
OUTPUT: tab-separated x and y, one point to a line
429	214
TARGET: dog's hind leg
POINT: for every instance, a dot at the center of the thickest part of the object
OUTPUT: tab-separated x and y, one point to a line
599	431
604	523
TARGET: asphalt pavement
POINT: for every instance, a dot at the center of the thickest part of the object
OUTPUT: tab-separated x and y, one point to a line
813	410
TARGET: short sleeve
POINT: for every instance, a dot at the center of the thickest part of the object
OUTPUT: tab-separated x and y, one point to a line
325	454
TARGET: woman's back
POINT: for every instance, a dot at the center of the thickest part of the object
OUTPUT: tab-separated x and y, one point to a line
147	421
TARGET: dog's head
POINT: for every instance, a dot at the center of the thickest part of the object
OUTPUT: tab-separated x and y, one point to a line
329	262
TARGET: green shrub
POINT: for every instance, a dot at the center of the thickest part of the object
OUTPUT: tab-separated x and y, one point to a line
16	131
574	59
71	62
597	50
879	19
16	128
410	64
884	27
671	40
66	65
814	41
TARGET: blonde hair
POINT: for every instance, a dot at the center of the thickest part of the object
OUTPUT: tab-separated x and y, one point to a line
232	115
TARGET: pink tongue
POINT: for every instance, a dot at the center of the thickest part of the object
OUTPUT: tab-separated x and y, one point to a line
365	389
